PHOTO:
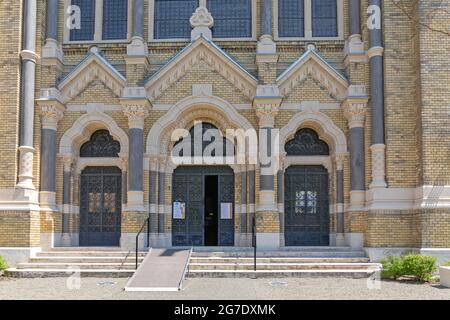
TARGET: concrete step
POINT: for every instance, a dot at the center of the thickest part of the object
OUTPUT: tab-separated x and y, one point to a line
121	254
76	266
276	260
282	266
80	259
334	273
56	273
87	249
286	254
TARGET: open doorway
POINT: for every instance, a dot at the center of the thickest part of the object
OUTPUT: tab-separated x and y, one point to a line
211	210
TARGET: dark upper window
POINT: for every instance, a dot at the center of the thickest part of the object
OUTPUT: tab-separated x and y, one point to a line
87	26
112	15
232	18
172	18
295	20
101	145
115	19
306	142
324	18
291	20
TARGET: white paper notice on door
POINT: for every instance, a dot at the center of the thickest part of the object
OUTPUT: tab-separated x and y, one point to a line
179	210
226	209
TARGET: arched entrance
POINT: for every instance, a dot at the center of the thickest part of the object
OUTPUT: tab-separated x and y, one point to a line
100	193
307	218
203	195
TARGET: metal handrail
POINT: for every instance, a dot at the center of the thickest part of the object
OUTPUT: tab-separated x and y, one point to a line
146	223
254	242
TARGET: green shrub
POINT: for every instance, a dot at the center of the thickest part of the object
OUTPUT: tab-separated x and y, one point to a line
413	266
446	264
3	264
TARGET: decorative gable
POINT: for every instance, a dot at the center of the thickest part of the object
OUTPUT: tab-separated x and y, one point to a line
93	67
312	64
201	51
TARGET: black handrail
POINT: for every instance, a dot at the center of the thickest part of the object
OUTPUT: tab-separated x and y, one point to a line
254	241
146	223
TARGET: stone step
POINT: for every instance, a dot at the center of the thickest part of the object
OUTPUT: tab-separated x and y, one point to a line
57	273
85	259
276	260
286	254
334	273
283	249
87	249
283	266
76	266
121	254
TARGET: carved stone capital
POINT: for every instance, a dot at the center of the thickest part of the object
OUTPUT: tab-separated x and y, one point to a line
67	163
267	104
340	159
135	106
355	107
51	108
201	22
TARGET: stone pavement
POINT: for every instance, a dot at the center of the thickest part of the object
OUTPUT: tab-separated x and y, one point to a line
226	289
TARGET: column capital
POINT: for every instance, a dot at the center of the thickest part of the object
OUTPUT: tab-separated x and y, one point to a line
267	104
355	107
136	106
340	159
51	108
67	162
124	161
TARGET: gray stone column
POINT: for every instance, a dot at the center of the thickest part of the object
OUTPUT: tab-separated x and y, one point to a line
67	190
29	58
124	160
354	13
340	222
136	109
153	199
52	19
138	18
375	54
244	216
161	197
52	54
266	17
51	111
355	111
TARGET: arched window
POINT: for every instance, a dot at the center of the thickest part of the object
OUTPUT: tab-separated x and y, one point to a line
101	145
307	143
208	139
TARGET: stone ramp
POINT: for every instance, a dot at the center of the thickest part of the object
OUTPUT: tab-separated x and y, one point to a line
161	270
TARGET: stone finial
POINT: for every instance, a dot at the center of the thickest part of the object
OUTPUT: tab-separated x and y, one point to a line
201	22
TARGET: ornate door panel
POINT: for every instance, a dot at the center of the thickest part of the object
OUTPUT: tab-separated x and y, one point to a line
306	206
100	206
188	187
226	195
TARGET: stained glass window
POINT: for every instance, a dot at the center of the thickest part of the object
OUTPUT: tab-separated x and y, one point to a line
291	20
232	18
324	18
87	26
115	19
171	18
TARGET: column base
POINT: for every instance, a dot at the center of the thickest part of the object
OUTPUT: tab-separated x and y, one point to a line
357	200
47	201
268	241
135	201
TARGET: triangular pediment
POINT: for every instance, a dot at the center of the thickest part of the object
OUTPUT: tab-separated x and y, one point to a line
93	67
201	51
313	65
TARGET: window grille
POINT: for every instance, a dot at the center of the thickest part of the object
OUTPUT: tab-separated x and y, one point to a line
171	18
291	20
232	18
115	19
87	27
324	18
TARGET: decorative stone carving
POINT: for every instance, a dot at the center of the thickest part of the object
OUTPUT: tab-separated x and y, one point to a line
378	166
201	22
201	51
312	64
136	115
267	104
50	116
67	163
355	107
340	159
26	168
